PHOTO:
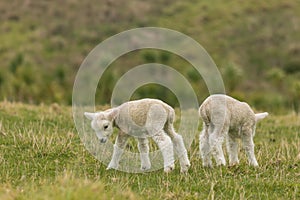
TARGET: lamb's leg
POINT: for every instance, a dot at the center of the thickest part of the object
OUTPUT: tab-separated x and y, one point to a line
232	149
165	145
215	142
143	147
204	147
248	145
118	150
179	148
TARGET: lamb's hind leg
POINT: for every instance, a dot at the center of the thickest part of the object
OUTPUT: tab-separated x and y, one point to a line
179	148
118	150
232	149
204	147
215	141
248	144
165	145
143	147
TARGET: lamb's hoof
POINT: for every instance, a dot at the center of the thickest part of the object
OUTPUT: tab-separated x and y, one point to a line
185	167
233	164
145	168
207	164
108	168
111	166
145	165
254	164
221	164
169	168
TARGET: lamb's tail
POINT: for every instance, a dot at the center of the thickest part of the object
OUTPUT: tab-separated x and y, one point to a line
260	116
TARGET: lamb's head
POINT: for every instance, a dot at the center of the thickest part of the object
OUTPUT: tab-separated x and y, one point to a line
102	123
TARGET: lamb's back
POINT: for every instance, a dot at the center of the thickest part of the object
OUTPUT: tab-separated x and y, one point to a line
138	110
218	107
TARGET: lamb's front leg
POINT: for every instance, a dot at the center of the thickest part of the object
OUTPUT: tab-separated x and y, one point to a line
143	147
118	150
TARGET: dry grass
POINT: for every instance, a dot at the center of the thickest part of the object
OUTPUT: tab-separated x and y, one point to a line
42	158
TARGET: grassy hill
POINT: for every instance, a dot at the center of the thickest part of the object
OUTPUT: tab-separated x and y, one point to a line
42	157
255	44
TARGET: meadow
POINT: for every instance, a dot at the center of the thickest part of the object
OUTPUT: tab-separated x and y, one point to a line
42	157
255	45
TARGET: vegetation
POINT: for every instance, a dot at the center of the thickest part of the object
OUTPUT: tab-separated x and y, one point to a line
42	158
255	45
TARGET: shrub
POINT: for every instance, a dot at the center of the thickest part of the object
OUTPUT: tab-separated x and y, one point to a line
16	62
149	57
232	75
292	67
276	76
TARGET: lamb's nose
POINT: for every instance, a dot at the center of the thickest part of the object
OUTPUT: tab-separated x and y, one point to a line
103	140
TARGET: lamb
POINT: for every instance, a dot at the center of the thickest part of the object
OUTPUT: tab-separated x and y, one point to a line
142	119
224	116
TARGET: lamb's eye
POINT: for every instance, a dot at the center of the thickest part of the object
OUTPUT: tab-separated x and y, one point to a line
105	127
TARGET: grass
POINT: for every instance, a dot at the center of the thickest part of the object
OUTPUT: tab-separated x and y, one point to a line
41	157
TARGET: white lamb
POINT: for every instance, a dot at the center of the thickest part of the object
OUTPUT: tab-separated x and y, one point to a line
224	116
142	119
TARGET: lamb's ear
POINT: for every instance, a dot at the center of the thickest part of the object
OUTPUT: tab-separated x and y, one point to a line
113	114
260	116
89	115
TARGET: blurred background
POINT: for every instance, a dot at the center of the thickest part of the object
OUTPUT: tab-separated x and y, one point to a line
255	44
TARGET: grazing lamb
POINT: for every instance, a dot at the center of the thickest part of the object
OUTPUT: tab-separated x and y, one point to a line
224	116
142	119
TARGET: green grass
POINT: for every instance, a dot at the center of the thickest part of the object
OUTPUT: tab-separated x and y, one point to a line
41	157
260	39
